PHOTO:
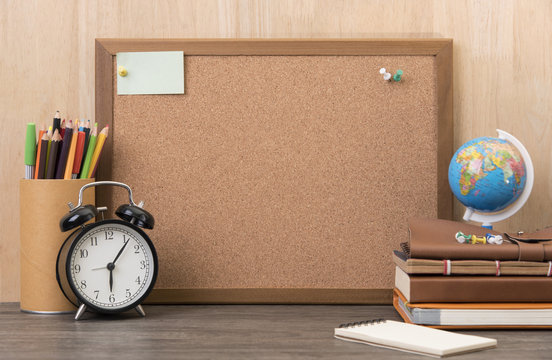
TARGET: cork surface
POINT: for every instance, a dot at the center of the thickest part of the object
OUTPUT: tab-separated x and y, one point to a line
282	171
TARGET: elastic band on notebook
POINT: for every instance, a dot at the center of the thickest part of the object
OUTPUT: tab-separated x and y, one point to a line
446	267
549	269
497	267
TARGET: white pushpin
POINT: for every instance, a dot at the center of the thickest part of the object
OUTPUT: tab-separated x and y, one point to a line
386	75
494	239
461	238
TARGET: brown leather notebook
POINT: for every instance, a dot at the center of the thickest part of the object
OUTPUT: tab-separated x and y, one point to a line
467	289
470	267
485	316
435	239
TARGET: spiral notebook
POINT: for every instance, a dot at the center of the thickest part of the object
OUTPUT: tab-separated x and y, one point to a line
411	338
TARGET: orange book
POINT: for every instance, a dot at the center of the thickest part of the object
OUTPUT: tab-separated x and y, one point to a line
474	315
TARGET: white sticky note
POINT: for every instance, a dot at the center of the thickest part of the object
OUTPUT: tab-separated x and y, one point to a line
158	72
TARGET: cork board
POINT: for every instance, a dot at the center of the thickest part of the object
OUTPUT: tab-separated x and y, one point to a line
283	174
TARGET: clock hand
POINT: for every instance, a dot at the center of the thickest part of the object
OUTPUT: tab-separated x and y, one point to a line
100	268
110	280
120	252
110	267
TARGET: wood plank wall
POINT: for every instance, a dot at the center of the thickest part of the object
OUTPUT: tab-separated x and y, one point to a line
502	69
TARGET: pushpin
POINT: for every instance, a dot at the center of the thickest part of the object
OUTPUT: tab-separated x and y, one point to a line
122	71
494	239
397	76
386	75
461	238
478	239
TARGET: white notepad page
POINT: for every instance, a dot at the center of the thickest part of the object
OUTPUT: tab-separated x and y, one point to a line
414	338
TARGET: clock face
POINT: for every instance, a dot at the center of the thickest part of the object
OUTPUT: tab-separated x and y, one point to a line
112	266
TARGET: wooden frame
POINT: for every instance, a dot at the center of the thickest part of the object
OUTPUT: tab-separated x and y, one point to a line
440	48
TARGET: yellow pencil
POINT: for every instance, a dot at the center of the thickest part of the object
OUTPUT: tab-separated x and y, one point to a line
98	151
71	156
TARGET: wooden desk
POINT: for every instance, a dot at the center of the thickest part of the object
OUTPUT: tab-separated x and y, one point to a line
223	332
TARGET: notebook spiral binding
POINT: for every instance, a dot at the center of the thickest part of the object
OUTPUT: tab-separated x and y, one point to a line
361	323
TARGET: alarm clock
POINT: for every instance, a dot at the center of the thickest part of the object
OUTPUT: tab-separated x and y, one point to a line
109	266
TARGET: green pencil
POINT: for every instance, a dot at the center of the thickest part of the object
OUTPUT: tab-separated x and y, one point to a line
30	151
89	152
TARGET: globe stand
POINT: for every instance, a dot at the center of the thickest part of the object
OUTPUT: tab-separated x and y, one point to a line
489	219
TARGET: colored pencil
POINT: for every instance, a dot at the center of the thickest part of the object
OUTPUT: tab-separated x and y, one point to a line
57	122
30	151
62	161
64	152
38	151
42	156
62	129
72	148
86	140
98	152
52	158
78	154
89	152
49	133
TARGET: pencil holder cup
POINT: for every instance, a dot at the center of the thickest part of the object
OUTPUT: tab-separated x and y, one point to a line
42	204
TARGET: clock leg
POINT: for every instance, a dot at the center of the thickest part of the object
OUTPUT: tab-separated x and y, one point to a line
80	311
140	310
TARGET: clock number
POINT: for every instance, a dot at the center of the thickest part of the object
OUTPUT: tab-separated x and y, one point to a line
77	268
142	264
94	241
128	293
137	281
109	235
137	249
84	253
97	292
111	298
83	284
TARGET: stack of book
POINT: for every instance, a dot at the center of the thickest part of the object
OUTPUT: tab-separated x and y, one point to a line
443	283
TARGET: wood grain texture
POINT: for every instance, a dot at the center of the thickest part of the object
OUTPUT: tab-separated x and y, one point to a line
444	69
502	65
104	111
280	47
270	296
224	332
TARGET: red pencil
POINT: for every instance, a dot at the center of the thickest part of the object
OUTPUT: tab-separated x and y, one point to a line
62	129
78	154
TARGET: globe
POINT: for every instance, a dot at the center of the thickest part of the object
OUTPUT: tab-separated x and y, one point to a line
487	174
